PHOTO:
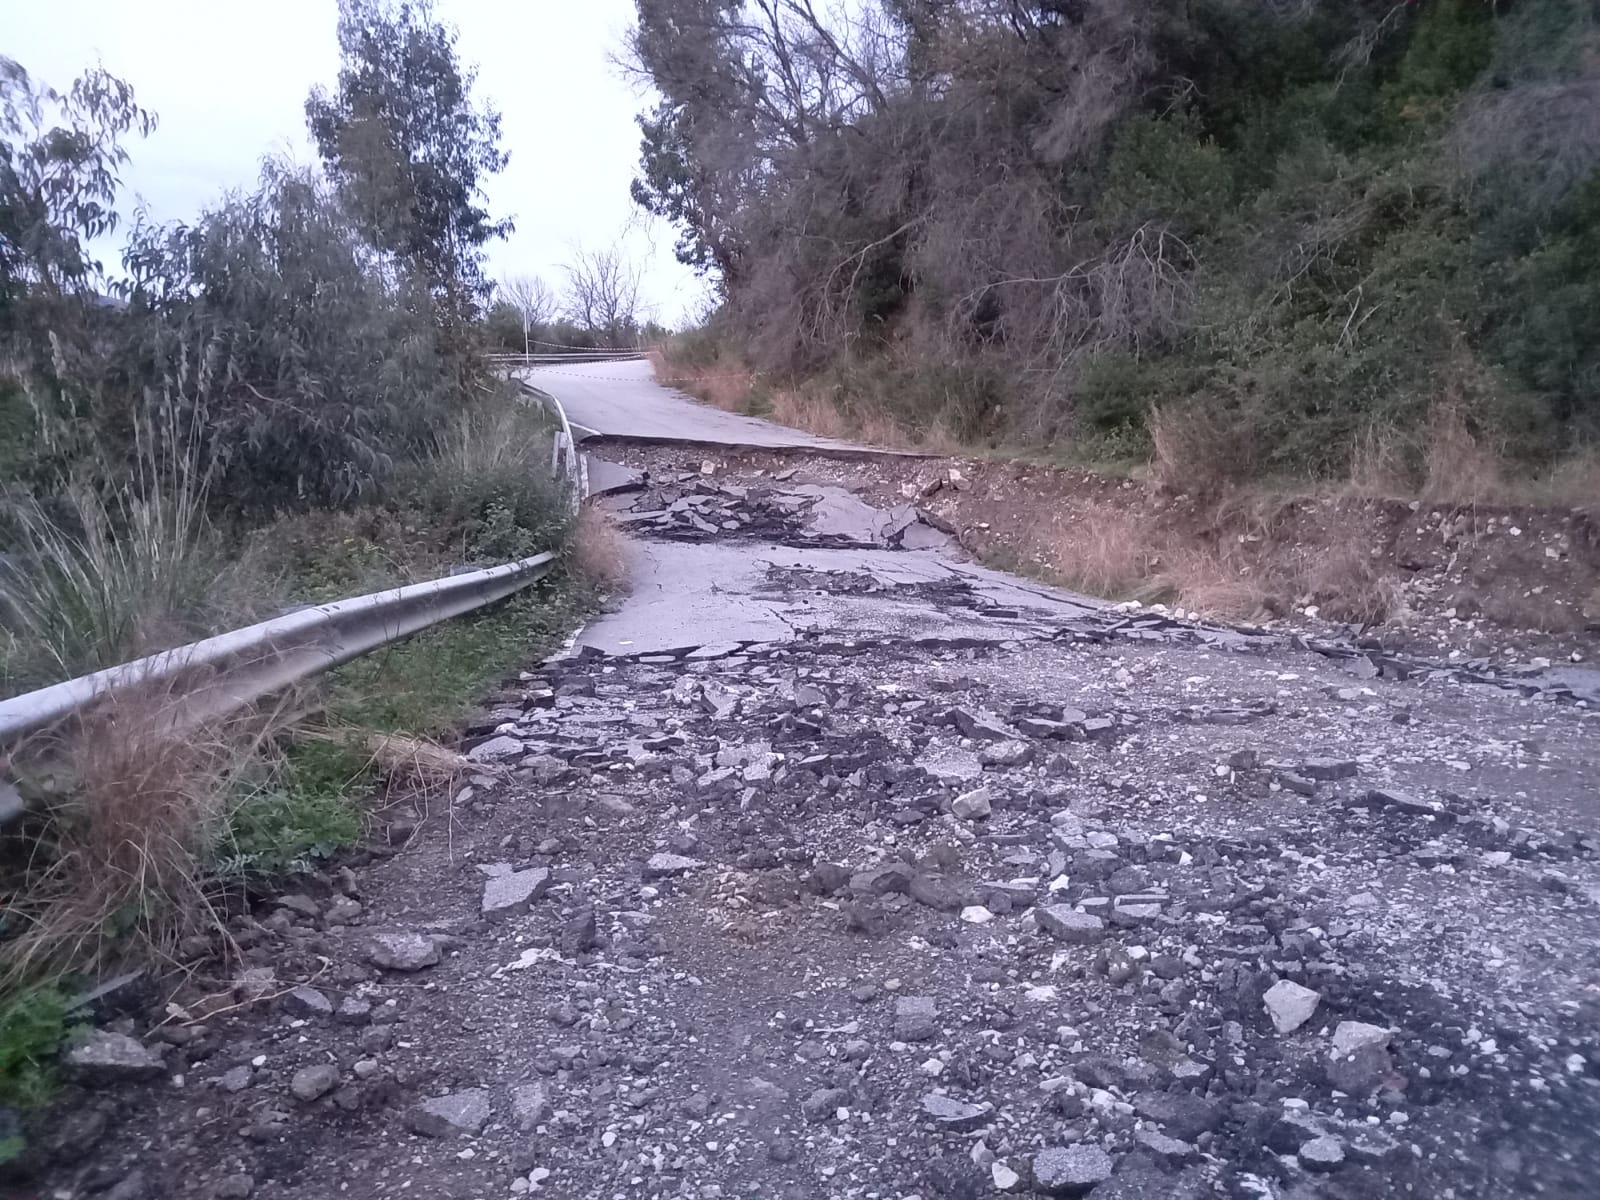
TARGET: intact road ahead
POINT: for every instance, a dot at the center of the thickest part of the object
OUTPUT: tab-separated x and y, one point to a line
623	399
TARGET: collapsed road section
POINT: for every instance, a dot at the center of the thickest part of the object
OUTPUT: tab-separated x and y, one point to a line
874	874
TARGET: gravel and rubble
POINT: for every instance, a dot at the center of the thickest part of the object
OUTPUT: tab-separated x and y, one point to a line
1133	908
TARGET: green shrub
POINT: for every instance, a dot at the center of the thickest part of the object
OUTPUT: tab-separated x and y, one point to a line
309	811
487	482
33	1025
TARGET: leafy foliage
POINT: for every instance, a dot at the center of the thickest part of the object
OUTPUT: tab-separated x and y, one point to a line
33	1025
1295	220
267	327
408	146
59	158
308	813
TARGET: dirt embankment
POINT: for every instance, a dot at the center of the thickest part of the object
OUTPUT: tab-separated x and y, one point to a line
1471	578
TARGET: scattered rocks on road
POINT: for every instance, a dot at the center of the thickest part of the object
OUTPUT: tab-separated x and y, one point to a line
1114	905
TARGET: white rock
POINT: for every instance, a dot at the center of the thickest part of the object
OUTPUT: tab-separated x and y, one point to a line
976	914
1351	1036
661	866
973	805
1289	1005
507	895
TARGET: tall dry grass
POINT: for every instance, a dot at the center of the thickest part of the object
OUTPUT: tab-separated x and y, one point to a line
122	863
1197	451
1105	552
600	551
103	573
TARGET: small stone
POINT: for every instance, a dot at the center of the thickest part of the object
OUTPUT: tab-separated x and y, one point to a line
1070	1171
234	1187
342	910
976	914
581	932
956	1115
1067	924
1167	1149
823	1103
234	1079
1323	1153
1359	1062
313	1083
460	1114
496	749
308	1002
402	951
827	878
530	1106
1289	1005
666	866
973	805
1329	768
354	1010
512	893
1004	1177
1010	753
106	1058
915	1018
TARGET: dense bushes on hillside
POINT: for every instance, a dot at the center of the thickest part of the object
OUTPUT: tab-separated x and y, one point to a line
1299	220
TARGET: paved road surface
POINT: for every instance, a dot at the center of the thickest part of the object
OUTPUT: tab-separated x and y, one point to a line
622	399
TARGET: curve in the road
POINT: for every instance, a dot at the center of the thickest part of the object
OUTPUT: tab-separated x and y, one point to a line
623	400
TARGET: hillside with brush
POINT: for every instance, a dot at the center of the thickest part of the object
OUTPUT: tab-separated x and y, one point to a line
1302	239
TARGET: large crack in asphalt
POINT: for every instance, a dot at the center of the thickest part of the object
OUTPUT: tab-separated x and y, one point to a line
822	871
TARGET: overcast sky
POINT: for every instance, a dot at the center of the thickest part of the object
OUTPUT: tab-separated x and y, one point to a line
229	80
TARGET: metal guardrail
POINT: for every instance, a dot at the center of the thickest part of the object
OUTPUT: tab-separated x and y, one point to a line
564	356
221	674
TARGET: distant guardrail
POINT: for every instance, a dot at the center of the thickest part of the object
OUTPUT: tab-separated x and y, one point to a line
228	671
547	358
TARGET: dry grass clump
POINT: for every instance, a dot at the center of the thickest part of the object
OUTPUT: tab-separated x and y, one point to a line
1448	462
1348	584
1379	464
1459	466
600	551
120	868
1574	483
1198	578
1196	450
1104	552
808	410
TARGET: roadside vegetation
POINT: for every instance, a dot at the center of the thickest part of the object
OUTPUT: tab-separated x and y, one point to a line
1339	242
283	401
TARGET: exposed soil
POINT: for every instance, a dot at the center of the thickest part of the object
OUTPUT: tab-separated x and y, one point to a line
1122	907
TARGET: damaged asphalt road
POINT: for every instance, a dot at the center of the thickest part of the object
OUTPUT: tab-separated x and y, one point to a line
823	868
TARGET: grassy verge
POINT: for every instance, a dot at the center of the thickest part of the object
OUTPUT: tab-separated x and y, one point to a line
137	852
